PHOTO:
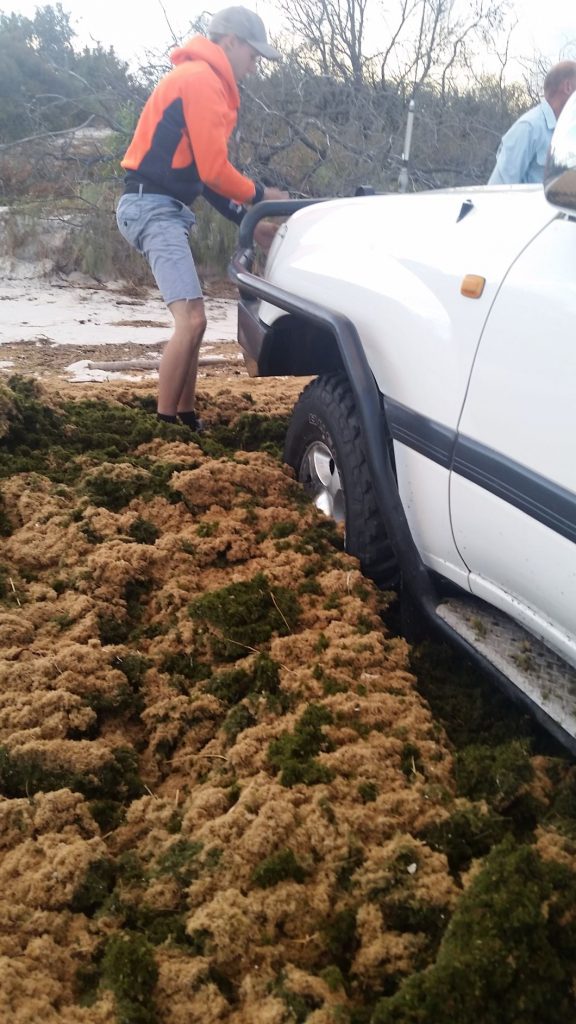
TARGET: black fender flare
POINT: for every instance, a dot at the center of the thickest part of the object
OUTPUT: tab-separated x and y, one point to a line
375	427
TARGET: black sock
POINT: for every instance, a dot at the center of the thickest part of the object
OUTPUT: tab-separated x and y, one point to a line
165	418
189	419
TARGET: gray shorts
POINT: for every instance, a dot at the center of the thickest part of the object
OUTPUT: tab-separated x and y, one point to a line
159	228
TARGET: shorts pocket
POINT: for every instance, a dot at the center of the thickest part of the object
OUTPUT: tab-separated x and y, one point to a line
128	217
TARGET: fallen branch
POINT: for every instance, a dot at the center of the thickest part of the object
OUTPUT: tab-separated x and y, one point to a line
153	364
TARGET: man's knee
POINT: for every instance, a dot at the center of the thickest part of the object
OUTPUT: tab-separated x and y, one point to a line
196	323
190	318
198	319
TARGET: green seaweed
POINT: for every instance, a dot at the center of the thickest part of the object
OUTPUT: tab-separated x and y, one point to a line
5	588
223	983
114	492
282	529
108	814
322	538
129	969
135	591
562	811
143	531
90	534
230	687
158	927
293	754
496	774
112	630
174	824
134	667
245	615
330	686
252	431
310	586
184	665
207	529
181	861
129	867
364	624
199	941
507	955
278	867
116	779
368	792
340	938
333	977
464	701
6	525
352	861
53	441
468	833
94	888
124	700
233	686
237	720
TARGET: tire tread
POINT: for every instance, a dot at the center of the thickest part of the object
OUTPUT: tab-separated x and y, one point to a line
330	399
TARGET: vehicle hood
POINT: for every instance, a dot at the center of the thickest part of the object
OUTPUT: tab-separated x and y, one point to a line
436	236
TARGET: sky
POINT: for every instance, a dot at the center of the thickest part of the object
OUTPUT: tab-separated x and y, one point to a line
547	29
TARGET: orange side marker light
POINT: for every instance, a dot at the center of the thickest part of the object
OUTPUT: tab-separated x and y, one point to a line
472	286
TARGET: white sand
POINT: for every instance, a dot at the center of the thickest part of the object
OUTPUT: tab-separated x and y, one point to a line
77	312
32	310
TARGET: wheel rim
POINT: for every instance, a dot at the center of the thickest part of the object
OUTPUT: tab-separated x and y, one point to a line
320	476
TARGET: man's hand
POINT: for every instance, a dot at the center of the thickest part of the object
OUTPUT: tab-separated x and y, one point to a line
265	230
264	233
275	193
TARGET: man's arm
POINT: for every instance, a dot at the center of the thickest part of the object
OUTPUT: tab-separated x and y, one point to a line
227	207
264	230
236	211
514	156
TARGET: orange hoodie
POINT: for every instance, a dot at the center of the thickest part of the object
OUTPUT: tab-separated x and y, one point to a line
181	139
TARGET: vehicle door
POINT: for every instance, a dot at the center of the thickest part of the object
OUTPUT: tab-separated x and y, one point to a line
513	479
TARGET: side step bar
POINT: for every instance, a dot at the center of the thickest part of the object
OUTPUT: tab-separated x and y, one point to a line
528	670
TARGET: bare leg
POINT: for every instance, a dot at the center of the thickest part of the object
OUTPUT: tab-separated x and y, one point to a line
179	363
188	393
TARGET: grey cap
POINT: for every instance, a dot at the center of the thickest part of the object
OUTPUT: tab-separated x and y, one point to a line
239	21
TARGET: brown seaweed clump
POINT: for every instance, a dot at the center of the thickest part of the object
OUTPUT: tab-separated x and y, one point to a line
222	797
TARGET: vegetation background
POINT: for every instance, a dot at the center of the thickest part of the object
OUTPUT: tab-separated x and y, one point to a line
330	117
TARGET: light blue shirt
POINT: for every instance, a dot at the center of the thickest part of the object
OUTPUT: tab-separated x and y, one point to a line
522	153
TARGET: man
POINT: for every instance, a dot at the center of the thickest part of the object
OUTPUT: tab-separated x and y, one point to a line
522	153
180	151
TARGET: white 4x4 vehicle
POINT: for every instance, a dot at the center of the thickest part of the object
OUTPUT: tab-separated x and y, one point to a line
441	426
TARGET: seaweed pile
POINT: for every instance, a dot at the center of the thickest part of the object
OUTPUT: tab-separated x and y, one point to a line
228	792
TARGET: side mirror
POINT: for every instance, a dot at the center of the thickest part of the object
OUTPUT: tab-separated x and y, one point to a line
560	170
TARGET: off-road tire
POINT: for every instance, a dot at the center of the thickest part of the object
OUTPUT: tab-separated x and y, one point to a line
325	415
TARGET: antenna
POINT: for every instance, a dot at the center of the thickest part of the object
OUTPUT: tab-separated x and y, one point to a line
403	179
403	176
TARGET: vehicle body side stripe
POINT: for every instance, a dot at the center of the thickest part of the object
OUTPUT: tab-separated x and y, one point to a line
424	435
545	501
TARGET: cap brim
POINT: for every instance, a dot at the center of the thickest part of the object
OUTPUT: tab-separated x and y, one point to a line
265	50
